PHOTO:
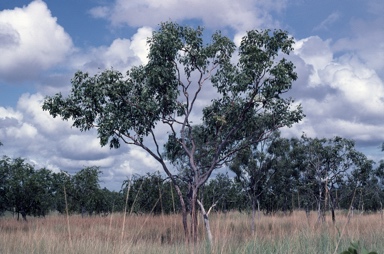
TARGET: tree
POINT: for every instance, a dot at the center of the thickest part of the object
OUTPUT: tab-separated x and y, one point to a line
264	171
224	194
327	162
107	201
247	106
19	197
40	185
25	190
86	189
4	176
63	188
146	193
362	189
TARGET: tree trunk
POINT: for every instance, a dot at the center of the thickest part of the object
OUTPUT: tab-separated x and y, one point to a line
332	207
253	215
206	223
194	214
298	199
184	213
320	211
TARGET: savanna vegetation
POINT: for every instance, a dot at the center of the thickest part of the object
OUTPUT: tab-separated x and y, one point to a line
273	208
280	195
278	234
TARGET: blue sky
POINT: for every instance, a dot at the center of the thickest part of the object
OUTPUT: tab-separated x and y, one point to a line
339	54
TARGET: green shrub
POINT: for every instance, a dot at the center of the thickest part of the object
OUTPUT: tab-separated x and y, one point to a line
356	249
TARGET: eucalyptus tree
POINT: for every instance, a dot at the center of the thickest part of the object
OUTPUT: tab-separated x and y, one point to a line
362	187
86	189
107	201
264	172
283	184
379	175
19	197
24	190
40	185
63	189
224	194
4	173
147	194
327	164
167	94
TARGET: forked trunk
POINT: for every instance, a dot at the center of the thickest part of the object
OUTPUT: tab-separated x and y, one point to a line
206	223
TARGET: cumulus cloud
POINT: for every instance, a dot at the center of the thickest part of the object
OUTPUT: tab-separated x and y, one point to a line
239	15
51	142
30	41
340	93
316	53
340	82
365	35
120	55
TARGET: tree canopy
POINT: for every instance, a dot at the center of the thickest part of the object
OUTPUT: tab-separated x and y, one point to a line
247	102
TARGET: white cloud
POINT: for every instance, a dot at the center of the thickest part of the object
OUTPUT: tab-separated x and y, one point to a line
30	131
360	86
10	113
367	42
325	24
120	55
139	156
315	52
30	105
24	131
139	43
239	15
99	12
342	96
30	41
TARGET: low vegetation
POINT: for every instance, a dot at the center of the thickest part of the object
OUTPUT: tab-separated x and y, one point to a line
295	233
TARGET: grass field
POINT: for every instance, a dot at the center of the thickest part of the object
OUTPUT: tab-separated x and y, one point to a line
296	233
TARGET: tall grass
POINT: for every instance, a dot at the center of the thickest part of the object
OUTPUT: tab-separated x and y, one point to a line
296	233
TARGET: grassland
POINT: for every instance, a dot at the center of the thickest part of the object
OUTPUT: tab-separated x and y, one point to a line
296	233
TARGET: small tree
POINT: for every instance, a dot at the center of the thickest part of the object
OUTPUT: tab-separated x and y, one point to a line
4	176
264	171
25	190
247	103
86	189
327	162
63	188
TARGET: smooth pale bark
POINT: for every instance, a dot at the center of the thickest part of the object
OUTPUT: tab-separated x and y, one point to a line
206	221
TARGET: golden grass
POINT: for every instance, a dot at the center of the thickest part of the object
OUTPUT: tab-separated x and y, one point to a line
296	233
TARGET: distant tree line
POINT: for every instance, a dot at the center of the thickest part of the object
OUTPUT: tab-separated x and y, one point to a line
278	174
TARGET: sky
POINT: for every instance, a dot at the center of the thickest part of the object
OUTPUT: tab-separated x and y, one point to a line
339	59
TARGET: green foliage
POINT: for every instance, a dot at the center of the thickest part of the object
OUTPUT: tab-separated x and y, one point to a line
150	193
86	189
127	108
224	193
266	174
356	249
25	190
248	104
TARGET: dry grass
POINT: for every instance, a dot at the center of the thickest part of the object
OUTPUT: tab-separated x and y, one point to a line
296	233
